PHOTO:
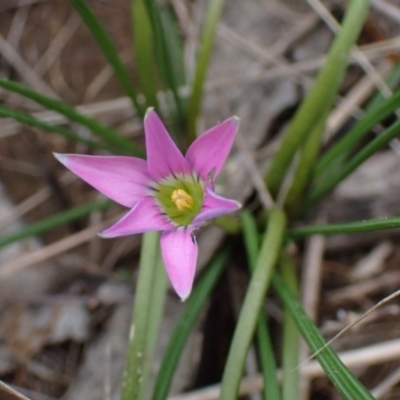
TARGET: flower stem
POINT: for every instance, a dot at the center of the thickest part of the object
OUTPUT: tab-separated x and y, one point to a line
270	250
193	307
155	314
144	321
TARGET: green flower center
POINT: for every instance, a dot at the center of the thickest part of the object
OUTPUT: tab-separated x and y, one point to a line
180	199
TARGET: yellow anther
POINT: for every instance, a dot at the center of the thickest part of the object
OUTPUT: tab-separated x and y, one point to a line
182	200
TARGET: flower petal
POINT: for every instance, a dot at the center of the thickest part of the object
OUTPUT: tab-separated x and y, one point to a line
145	216
207	154
179	251
215	206
163	157
122	179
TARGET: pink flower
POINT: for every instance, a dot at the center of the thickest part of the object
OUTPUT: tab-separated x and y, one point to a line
168	192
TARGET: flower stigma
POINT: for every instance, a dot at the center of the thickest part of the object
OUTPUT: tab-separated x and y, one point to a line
182	200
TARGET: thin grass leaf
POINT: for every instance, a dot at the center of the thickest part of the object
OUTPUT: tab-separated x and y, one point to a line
37	123
392	81
303	171
212	18
144	53
265	348
59	219
108	48
321	96
341	377
191	313
174	43
363	127
348	227
104	132
266	356
250	236
164	57
246	325
290	335
330	182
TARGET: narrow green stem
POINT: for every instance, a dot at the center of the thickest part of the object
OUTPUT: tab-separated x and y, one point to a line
344	146
265	348
321	96
138	341
250	236
302	174
27	119
212	18
108	48
46	224
144	53
333	180
193	307
96	127
269	253
348	227
164	58
342	378
291	337
392	81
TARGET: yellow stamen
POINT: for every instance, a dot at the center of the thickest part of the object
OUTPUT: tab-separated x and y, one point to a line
182	200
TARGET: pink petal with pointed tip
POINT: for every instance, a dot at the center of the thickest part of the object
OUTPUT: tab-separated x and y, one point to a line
144	217
215	206
163	157
207	154
122	179
179	251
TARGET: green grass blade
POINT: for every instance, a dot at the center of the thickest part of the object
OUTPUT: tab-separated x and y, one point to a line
303	172
348	227
174	44
250	236
321	96
265	348
164	56
392	82
341	377
291	336
144	53
246	325
330	182
108	48
266	355
194	305
207	40
37	123
46	224
104	132
363	127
